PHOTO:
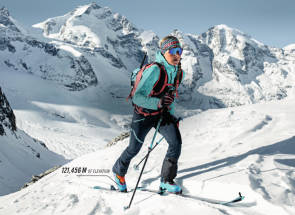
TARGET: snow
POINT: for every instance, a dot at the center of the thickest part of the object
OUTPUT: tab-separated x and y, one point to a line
147	36
17	163
248	149
70	49
290	47
80	28
51	113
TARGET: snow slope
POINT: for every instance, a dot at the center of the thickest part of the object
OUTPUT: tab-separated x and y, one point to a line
250	149
70	123
21	156
68	89
56	65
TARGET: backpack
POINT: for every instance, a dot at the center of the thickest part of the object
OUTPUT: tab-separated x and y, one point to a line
160	87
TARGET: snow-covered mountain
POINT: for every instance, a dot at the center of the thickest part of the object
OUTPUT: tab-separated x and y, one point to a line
99	70
21	156
290	47
67	87
99	75
91	45
24	53
229	68
6	20
100	32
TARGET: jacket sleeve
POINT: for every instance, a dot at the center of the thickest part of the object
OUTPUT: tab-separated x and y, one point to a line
141	97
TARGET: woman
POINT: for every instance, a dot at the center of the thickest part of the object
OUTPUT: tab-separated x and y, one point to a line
148	107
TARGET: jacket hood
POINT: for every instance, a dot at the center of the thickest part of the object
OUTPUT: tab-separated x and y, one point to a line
161	59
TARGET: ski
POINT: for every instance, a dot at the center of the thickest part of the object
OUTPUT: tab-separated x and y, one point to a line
208	200
111	188
165	193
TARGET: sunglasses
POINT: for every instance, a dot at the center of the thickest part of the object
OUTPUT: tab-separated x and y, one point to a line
175	51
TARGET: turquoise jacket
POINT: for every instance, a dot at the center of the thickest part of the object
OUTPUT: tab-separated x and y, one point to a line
149	77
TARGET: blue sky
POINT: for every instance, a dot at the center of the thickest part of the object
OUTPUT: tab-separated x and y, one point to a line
269	21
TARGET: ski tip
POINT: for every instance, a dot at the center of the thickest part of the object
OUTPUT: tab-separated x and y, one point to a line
96	187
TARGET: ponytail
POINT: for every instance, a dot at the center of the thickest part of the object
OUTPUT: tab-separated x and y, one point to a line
177	80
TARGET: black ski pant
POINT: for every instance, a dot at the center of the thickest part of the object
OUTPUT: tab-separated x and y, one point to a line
139	129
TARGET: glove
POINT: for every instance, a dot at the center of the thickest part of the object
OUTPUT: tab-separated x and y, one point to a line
169	118
166	100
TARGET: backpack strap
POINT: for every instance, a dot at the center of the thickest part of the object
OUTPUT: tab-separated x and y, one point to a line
161	84
137	80
146	112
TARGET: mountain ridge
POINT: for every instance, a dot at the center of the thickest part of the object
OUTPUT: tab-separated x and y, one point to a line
225	67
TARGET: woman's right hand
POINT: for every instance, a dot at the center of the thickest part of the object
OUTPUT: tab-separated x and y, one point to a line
167	100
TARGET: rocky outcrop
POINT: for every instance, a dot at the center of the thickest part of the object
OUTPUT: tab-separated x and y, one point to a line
36	178
7	117
119	138
6	20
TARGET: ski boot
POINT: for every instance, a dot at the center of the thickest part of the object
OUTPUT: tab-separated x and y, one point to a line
170	186
121	183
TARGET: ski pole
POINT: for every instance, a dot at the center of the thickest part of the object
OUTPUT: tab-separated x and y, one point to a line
146	158
143	60
137	165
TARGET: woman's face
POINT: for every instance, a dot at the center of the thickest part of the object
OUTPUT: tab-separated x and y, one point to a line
172	59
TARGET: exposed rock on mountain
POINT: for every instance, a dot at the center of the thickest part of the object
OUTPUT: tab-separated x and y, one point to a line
7	118
27	54
226	67
21	156
91	45
100	31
